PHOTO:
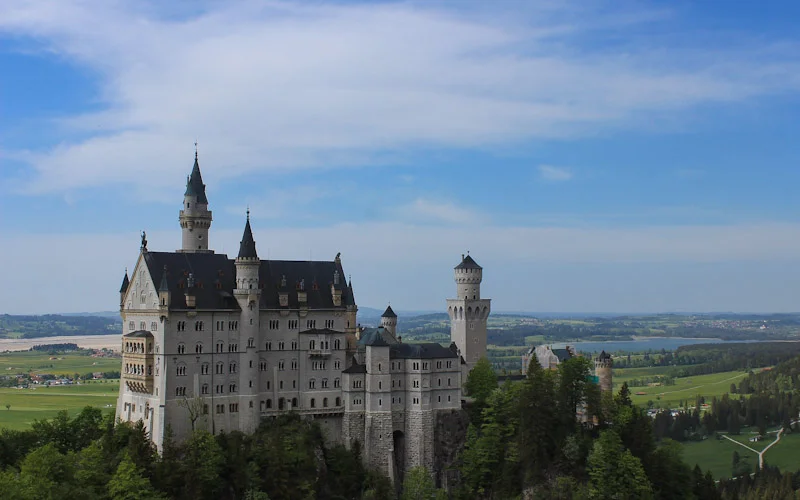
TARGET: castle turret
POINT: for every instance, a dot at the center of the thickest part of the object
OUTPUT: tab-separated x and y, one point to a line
123	290
248	294
195	218
164	296
603	365
469	312
389	321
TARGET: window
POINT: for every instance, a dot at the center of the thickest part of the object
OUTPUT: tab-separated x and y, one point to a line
329	323
233	325
440	382
337	344
281	403
180	391
220	369
233	407
268	346
313	403
280	385
220	326
281	365
198	348
181	371
198	326
424	366
281	345
379	367
338	401
181	326
274	324
205	409
219	389
232	368
220	408
293	324
324	383
205	389
440	399
337	383
220	346
294	402
131	325
153	326
324	402
312	383
438	364
142	324
357	384
380	385
448	382
294	345
232	388
449	364
233	347
251	342
416	383
337	364
294	364
181	348
269	404
262	366
311	323
312	344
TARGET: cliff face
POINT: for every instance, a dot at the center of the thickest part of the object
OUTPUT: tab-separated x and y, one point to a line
449	434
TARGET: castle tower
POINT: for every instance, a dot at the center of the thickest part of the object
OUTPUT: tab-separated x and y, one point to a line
389	321
469	312
195	218
603	365
248	294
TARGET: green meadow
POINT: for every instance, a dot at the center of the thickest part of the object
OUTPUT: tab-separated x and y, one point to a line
39	402
64	364
685	389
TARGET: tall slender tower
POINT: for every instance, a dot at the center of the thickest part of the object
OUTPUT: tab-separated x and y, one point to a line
195	218
469	312
248	295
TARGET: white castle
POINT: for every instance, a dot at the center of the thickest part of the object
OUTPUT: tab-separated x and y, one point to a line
221	344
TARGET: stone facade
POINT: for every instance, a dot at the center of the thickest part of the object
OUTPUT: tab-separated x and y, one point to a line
221	344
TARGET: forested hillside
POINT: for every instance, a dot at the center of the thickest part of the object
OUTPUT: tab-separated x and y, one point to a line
52	325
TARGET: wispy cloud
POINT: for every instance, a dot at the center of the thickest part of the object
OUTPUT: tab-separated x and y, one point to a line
423	210
280	86
555	174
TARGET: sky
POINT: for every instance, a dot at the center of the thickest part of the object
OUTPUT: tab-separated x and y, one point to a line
591	156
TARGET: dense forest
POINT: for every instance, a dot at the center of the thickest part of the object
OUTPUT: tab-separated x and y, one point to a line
51	325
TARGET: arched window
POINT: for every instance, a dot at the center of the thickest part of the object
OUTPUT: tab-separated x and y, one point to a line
181	348
337	344
198	348
269	404
294	402
312	345
281	403
313	403
324	402
338	401
311	384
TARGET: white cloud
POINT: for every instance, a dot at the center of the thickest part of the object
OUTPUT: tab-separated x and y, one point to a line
555	174
282	86
424	210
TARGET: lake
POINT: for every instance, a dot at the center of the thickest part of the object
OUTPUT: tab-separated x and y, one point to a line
644	344
85	341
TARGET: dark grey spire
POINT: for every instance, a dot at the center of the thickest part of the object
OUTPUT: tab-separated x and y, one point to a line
247	247
164	286
125	283
194	184
388	313
468	262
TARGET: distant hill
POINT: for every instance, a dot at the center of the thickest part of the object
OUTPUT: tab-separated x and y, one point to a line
100	314
52	325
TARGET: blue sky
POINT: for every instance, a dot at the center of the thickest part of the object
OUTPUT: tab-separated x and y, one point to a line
592	156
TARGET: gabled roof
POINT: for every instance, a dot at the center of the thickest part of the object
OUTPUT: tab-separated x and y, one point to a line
468	263
194	184
388	313
369	335
562	354
427	350
139	334
355	368
125	283
247	247
215	280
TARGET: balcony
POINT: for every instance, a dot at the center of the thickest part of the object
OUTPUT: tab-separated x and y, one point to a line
331	410
319	353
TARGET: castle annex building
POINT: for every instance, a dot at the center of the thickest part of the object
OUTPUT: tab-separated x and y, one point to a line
217	343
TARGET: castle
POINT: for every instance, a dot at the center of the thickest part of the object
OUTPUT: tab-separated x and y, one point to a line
219	344
549	358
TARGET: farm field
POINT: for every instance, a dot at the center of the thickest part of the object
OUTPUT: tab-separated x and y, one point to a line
41	402
65	364
687	388
786	453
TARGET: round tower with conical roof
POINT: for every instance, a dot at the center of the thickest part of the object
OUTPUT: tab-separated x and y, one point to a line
389	321
603	365
469	312
195	218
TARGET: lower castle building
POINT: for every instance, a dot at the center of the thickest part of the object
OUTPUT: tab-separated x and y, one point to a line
215	343
549	358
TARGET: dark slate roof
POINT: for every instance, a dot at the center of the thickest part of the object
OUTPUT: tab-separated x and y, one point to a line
388	313
194	184
355	368
372	338
125	283
420	351
215	279
468	263
327	331
247	247
562	354
604	355
139	334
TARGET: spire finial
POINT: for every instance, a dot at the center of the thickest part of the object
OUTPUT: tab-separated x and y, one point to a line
195	149
248	213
